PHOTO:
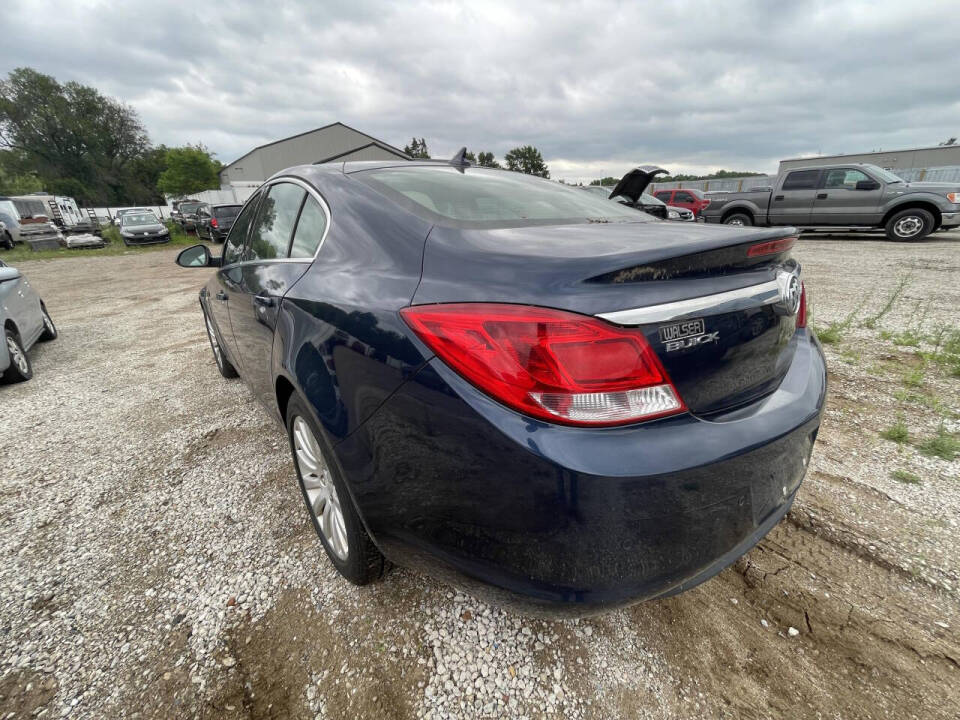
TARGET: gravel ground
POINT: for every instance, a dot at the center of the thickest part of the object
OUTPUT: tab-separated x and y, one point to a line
159	562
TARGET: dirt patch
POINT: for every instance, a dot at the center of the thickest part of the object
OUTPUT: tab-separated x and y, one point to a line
23	693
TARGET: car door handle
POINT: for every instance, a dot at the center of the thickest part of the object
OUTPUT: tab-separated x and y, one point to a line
778	197
222	296
263	300
821	196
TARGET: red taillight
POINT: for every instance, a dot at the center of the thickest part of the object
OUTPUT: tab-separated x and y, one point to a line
802	311
771	246
550	364
213	222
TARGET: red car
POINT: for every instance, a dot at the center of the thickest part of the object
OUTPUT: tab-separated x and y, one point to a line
689	198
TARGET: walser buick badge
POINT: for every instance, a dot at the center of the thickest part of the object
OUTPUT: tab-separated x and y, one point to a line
691	333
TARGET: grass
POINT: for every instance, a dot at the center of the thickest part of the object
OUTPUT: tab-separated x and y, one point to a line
834	332
115	246
907	338
897	432
871	322
905	476
914	378
943	445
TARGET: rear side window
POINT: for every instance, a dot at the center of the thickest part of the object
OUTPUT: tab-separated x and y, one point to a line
270	234
233	248
310	229
801	180
663	195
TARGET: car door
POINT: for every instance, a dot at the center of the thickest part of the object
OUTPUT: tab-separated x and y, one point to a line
792	202
847	196
19	306
664	196
229	276
267	272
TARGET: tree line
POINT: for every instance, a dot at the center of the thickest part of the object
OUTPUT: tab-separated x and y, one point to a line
69	139
526	158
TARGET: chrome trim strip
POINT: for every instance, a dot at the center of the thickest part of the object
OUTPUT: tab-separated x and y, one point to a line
767	293
310	191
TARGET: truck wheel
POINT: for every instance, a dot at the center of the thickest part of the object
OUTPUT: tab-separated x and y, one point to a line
909	224
7	241
738	220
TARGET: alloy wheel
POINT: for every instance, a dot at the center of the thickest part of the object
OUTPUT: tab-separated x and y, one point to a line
16	354
322	498
47	322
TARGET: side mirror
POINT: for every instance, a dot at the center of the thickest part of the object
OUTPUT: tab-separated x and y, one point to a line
196	256
867	185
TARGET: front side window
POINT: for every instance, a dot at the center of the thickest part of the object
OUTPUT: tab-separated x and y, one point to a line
310	229
684	197
233	247
801	180
270	234
482	198
844	179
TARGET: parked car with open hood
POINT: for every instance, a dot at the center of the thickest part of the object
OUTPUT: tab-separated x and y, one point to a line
514	384
24	319
214	221
187	213
143	228
849	195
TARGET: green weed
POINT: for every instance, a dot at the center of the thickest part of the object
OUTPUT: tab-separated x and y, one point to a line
905	476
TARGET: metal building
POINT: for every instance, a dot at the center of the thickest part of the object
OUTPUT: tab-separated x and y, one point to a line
938	156
326	144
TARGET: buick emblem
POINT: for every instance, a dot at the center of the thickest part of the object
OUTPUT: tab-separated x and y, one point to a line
790	291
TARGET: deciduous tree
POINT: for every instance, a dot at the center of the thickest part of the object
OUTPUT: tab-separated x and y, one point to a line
527	159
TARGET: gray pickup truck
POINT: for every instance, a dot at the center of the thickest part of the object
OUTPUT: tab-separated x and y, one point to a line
852	195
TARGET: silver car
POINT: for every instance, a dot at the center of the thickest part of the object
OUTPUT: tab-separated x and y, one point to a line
25	321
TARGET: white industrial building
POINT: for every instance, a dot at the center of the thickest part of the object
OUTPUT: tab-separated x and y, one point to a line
331	143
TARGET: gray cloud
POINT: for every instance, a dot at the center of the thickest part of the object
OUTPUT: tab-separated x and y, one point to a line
598	87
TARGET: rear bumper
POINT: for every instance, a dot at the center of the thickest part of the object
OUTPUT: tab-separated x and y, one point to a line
573	520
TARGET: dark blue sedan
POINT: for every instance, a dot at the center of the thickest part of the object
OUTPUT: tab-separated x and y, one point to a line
515	385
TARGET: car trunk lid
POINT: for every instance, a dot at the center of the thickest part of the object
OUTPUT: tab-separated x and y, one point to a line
717	304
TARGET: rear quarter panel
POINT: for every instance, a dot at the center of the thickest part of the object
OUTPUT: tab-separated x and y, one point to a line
339	338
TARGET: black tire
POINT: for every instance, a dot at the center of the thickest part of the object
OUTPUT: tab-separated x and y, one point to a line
909	225
7	241
740	219
363	563
15	373
49	329
225	367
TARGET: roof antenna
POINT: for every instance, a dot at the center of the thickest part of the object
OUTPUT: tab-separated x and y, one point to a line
459	160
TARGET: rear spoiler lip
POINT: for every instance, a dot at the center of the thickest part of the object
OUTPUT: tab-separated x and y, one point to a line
770	292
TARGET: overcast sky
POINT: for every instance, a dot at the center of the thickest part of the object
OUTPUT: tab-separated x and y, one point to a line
598	87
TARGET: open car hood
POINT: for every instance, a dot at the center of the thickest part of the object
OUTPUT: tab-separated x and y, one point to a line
632	185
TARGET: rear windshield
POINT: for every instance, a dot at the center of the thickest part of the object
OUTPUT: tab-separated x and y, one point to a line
227	212
139	219
189	207
477	197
